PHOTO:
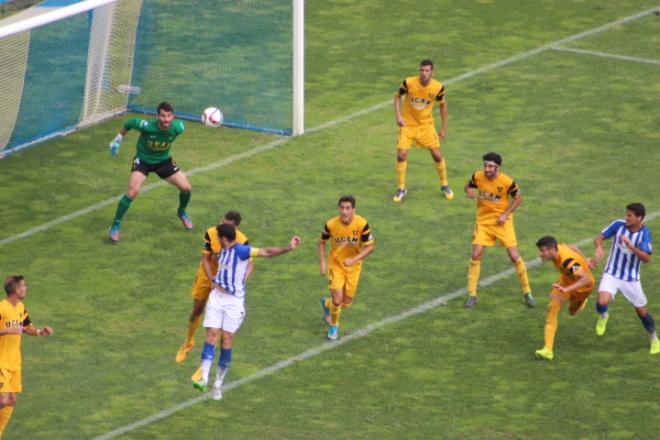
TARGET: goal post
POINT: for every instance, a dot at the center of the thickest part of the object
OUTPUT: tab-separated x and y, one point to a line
67	67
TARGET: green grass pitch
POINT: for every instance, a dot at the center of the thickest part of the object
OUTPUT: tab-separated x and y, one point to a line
579	133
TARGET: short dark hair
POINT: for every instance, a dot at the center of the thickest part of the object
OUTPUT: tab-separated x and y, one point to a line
164	106
426	63
233	216
349	199
493	157
548	242
228	231
638	209
12	282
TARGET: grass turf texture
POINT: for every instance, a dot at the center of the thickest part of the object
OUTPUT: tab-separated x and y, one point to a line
571	129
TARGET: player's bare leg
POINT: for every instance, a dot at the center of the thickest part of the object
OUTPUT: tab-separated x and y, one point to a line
521	271
401	166
7	403
441	167
135	181
193	325
180	181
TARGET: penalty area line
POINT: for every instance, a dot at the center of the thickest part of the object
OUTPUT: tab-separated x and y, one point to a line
274	144
315	351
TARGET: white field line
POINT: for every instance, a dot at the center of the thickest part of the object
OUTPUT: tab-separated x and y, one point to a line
612	56
313	352
274	144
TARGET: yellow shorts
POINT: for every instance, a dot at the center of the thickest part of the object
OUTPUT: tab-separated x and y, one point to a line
575	298
10	381
424	136
202	286
487	235
341	278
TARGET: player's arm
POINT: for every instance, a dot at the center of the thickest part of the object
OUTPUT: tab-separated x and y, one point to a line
403	89
643	255
471	188
582	279
206	264
598	245
275	251
364	252
516	200
31	330
325	236
443	113
368	247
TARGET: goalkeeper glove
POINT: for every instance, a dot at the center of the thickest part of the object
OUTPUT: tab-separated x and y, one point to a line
114	145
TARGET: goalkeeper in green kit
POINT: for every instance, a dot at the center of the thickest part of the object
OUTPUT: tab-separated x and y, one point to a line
153	155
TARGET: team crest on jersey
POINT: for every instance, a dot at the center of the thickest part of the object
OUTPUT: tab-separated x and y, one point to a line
355	232
499	189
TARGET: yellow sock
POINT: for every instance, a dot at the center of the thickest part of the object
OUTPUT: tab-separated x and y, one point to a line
521	270
5	415
335	311
401	174
193	325
473	276
442	172
551	323
345	306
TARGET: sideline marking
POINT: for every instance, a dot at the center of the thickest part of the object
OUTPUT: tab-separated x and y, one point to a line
274	144
612	56
312	352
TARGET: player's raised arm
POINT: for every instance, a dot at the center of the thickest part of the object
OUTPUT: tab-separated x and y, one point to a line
275	251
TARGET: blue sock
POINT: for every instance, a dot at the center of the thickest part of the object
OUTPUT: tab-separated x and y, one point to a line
208	352
601	308
225	358
648	323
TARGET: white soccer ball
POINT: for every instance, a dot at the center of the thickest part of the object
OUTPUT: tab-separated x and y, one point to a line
212	117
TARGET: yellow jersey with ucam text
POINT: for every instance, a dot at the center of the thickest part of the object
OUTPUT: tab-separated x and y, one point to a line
419	100
10	344
346	241
493	197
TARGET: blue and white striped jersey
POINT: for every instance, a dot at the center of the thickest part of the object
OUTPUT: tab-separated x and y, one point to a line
232	269
622	263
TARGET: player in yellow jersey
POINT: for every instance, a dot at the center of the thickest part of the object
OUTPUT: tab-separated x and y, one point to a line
203	284
14	321
493	189
350	243
416	125
573	285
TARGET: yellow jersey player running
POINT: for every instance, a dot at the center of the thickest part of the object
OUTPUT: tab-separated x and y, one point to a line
416	125
573	285
493	190
351	241
14	321
203	283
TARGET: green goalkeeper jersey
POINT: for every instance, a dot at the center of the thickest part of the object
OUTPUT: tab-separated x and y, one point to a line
154	144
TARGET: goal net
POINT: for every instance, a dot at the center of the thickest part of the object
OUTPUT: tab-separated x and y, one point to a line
67	64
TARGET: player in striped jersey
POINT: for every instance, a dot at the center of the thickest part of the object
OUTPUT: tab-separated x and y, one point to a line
202	285
225	308
631	246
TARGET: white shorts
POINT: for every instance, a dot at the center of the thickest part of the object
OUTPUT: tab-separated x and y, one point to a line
632	290
224	311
